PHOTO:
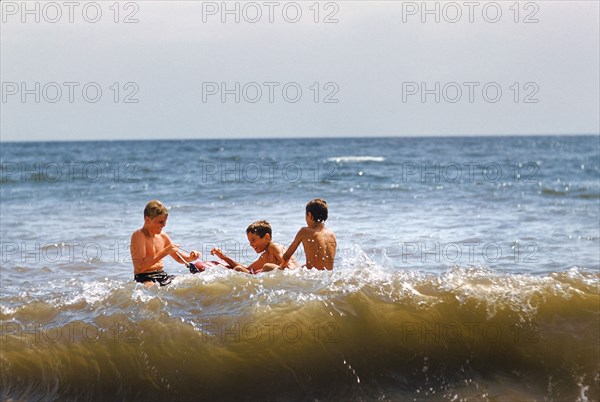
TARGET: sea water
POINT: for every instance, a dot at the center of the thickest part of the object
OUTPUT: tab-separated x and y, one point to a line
467	268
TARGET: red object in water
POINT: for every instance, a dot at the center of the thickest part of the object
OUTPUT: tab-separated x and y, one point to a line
203	265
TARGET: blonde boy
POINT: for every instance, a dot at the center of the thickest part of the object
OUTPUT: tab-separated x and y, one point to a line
149	245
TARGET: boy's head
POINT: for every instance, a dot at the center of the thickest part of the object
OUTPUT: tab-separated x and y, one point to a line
260	228
317	208
155	217
155	208
259	235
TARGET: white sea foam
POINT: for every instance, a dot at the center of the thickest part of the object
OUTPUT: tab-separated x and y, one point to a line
340	159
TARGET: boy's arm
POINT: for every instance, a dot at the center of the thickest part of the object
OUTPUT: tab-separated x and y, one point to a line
142	262
258	264
174	252
217	251
185	258
179	255
292	249
293	263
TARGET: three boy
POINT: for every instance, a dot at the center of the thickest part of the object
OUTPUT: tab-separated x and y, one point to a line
149	245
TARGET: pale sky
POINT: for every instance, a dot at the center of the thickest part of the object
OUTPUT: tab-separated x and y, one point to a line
343	68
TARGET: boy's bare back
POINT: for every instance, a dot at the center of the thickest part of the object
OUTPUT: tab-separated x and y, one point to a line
319	242
319	245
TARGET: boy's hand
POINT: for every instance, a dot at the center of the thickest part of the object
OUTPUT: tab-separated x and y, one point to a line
217	251
284	264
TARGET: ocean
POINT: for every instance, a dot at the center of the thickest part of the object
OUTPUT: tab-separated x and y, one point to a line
467	269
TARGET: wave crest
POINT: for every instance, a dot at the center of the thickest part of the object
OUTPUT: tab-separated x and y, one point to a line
362	331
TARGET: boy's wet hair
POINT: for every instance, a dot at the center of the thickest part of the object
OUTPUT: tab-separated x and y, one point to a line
155	208
318	209
261	228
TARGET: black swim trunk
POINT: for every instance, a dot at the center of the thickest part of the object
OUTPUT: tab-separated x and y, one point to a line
160	277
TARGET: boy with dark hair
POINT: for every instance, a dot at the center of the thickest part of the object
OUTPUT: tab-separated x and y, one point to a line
318	209
259	235
319	243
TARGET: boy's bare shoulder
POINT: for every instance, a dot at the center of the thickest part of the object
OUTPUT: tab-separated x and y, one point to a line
272	254
305	231
273	250
329	232
277	247
138	236
322	231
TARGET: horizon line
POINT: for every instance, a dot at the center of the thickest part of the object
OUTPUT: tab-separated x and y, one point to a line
308	137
